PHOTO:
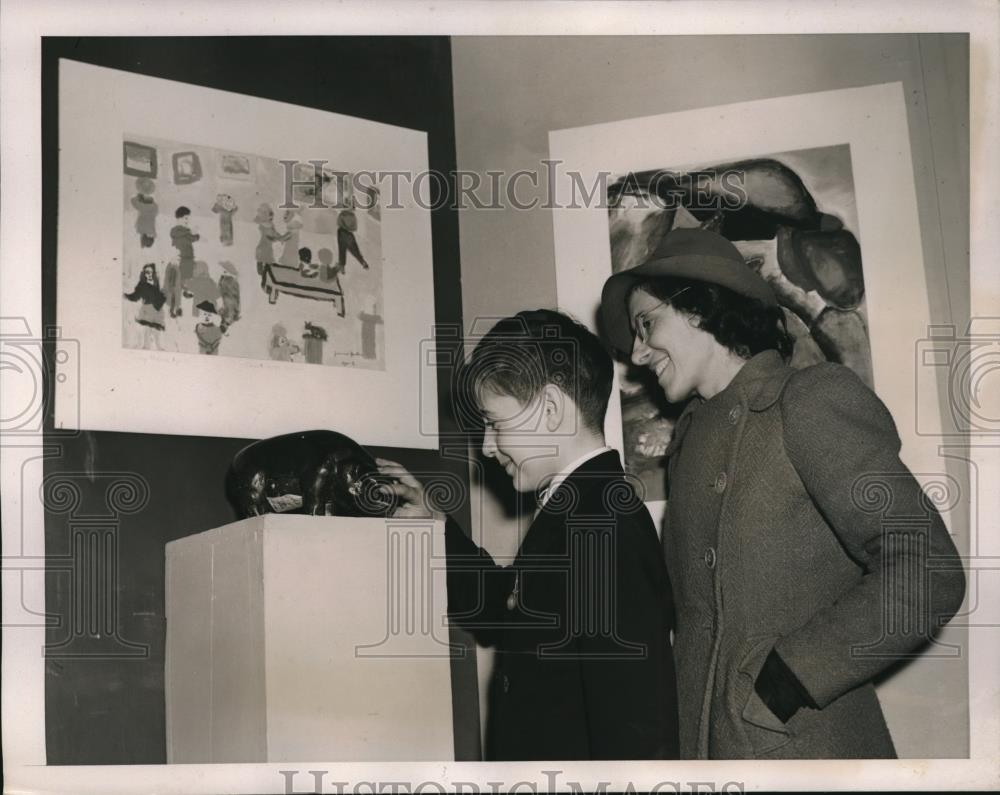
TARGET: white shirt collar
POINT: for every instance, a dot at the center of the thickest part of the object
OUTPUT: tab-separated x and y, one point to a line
557	479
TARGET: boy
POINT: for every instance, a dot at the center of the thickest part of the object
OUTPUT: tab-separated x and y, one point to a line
581	620
347	225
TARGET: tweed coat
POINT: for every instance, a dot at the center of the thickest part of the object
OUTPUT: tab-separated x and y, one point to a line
783	531
580	622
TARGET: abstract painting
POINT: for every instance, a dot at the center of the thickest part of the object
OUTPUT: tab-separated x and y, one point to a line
793	215
816	191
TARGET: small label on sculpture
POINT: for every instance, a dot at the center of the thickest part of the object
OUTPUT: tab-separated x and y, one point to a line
286	502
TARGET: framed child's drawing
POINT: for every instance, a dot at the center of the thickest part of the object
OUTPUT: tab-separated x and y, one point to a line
235	279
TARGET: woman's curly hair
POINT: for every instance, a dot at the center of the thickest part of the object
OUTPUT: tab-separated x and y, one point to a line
744	325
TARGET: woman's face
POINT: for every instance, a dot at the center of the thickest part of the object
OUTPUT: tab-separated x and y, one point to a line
670	345
149	274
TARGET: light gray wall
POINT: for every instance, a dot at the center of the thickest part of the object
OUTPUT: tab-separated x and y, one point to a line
510	92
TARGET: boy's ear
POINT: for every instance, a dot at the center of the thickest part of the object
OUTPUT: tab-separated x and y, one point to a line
553	407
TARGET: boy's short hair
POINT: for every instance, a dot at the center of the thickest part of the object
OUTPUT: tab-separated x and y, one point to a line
181	211
523	353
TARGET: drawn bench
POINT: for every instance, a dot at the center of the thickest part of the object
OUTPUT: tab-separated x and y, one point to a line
277	279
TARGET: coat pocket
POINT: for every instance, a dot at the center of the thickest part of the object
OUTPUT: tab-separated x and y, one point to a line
764	731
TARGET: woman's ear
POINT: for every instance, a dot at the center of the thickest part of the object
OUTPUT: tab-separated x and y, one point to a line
553	407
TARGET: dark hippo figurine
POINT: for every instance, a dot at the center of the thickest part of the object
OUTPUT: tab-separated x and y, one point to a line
321	473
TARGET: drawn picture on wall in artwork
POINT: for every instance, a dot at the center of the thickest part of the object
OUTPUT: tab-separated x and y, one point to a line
187	167
138	160
217	261
235	166
794	217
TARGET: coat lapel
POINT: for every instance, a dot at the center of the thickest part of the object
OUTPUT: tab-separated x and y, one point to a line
547	533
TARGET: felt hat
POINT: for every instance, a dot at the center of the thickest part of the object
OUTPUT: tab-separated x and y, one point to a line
689	254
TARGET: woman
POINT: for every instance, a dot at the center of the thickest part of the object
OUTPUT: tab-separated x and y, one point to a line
782	570
269	235
293	227
145	205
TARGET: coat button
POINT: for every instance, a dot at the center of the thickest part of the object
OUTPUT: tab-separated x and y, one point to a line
720	482
710	558
506	684
734	415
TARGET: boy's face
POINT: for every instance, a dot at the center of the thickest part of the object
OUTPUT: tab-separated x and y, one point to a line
671	345
516	437
206	318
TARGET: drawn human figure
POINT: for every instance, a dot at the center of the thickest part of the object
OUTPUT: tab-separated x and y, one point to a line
313	338
145	205
290	252
329	273
268	236
307	267
280	348
347	225
183	238
327	270
172	288
225	206
207	330
369	320
202	286
229	289
150	315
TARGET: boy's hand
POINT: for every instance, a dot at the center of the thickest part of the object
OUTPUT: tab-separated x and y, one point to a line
408	491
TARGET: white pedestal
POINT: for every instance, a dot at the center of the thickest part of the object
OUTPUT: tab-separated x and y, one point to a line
301	638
